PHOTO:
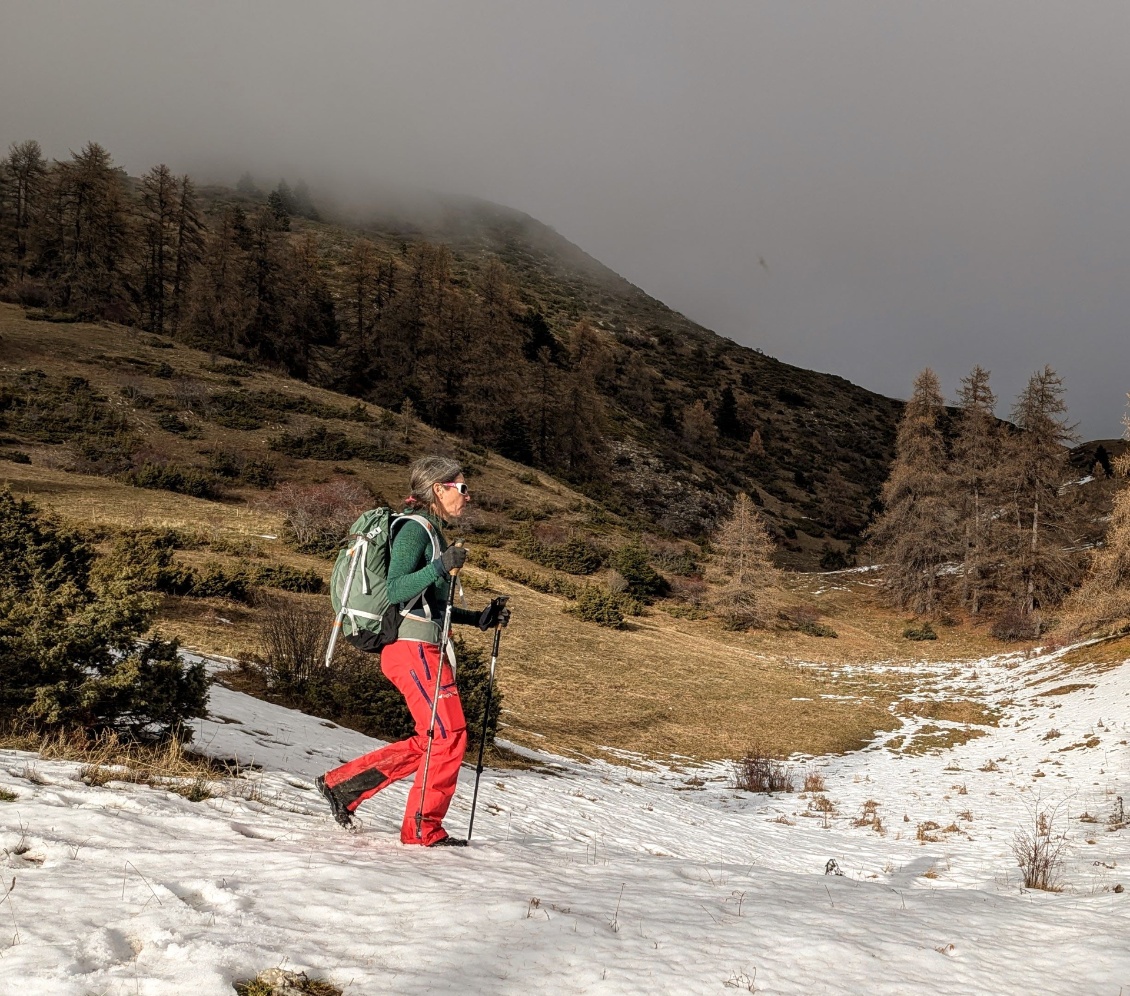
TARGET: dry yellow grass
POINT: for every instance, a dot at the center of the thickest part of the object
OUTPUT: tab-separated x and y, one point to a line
950	711
106	757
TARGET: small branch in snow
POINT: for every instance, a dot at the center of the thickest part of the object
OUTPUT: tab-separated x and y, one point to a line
130	864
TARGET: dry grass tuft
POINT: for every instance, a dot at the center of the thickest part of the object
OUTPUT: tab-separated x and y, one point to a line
1040	851
758	771
1117	819
276	982
813	781
6	796
869	817
823	807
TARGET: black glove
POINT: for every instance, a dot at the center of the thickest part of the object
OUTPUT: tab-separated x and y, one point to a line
450	560
495	614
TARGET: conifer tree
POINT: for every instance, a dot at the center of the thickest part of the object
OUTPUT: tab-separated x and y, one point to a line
698	427
745	581
188	248
915	533
1103	599
159	211
25	171
1038	567
975	474
726	419
220	303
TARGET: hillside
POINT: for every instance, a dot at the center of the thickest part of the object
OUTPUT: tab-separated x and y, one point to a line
87	408
823	444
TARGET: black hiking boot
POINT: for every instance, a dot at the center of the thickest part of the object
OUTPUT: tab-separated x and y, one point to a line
341	813
448	842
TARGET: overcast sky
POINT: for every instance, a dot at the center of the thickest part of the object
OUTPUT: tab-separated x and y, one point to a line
863	188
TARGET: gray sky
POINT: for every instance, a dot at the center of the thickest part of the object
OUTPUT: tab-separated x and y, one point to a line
929	184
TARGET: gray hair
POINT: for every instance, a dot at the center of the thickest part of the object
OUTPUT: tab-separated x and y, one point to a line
428	471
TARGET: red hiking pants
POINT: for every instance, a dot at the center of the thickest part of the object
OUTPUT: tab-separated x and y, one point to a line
411	667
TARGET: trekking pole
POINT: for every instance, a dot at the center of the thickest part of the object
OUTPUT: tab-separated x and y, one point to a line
446	632
486	719
356	556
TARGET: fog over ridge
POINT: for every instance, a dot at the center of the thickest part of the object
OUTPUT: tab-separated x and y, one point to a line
864	188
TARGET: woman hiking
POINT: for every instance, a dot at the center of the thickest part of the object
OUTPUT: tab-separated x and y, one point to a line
419	577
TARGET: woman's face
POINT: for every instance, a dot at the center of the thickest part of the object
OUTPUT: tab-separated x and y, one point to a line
449	501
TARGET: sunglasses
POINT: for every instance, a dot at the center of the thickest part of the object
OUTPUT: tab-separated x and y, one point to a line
458	486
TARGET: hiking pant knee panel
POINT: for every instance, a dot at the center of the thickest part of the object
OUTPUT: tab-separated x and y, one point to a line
411	667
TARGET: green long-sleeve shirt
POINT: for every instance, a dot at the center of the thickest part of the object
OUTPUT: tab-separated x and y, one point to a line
411	570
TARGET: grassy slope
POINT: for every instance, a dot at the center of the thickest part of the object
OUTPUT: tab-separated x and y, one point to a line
664	685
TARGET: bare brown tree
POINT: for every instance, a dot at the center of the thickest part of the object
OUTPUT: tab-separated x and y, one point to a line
25	169
1039	569
745	583
975	471
915	535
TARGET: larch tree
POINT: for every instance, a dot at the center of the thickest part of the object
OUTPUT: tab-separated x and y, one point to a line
976	487
915	535
159	224
1038	567
25	170
97	243
188	248
744	580
698	425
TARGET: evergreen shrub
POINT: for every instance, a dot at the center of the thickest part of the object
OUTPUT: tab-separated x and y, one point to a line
575	555
598	605
923	632
634	566
173	477
71	648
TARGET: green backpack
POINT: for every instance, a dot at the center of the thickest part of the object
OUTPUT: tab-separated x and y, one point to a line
359	583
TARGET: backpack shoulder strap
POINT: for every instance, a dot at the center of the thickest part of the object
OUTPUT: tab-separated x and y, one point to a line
428	528
433	536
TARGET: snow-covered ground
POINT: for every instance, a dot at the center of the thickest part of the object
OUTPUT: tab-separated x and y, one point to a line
590	878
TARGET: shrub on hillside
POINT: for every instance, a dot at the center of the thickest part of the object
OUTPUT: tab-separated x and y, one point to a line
55	409
173	477
321	443
598	605
171	422
832	559
318	516
805	619
760	771
235	466
678	561
287	578
103	455
71	648
1013	625
634	566
575	555
919	633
